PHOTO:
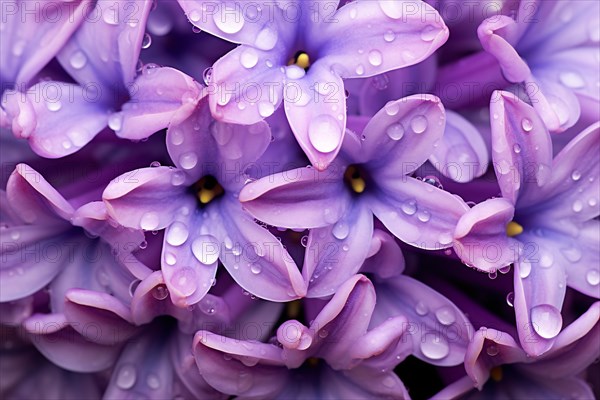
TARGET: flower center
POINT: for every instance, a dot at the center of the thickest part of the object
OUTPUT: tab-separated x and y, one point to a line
355	179
496	374
300	59
513	229
207	189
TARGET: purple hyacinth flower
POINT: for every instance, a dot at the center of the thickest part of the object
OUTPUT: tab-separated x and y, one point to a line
337	356
197	204
545	222
298	52
495	354
558	67
59	118
370	177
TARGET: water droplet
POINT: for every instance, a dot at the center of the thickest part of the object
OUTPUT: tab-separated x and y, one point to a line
304	241
593	277
492	275
546	320
524	269
392	9
255	269
78	60
419	124
576	175
421	308
492	350
577	206
115	121
249	58
177	234
573	254
341	230
152	381
146	41
429	33
445	316
391	108
424	216
434	347
592	202
126	376
111	16
571	80
445	238
360	70
15	235
294	72
395	131
389	382
409	207
375	58
207	76
510	299
184	281
546	260
160	292
504	270
266	39
188	160
266	109
526	124
324	133
228	18
206	249
149	221
517	148
389	36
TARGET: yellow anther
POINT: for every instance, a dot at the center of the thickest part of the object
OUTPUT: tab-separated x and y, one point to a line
354	179
313	362
207	189
292	309
303	61
513	229
496	374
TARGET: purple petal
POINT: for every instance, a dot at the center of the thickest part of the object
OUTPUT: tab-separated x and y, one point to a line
256	260
383	42
57	118
33	35
480	239
304	197
385	256
336	252
522	149
146	198
156	97
247	85
315	106
416	212
462	154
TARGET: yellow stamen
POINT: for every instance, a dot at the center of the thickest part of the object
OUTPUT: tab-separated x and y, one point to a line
292	309
496	374
513	229
207	189
354	178
313	362
301	59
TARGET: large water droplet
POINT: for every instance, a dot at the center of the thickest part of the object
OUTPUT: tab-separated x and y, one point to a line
434	347
571	80
324	133
341	230
149	221
526	124
573	254
54	105
429	33
228	18
188	160
206	249
160	292
593	277
524	269
424	215
421	308
152	381
391	8
115	121
266	109
249	58
395	131
445	316
419	124
177	234
185	281
546	320
577	206
510	299
375	58
546	260
207	76
146	41
391	108
360	70
389	36
126	376
266	39
78	60
294	72
255	269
